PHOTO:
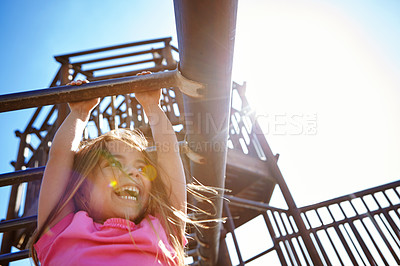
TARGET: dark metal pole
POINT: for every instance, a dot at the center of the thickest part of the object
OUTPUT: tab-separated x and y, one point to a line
206	34
62	108
294	211
64	94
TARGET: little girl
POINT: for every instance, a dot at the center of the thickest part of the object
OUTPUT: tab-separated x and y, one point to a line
106	202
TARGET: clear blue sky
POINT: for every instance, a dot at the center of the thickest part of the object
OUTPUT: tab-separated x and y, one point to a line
336	63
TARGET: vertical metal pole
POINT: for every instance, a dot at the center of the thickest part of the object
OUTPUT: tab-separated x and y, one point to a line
231	226
113	120
223	254
129	117
276	173
158	59
167	53
294	211
63	109
206	34
273	238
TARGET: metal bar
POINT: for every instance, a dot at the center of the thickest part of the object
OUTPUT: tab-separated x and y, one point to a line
288	242
50	133
33	119
174	48
8	257
396	192
289	252
116	57
206	35
250	204
395	256
123	65
314	232
280	230
377	201
359	239
354	245
273	237
98	50
294	238
21	176
355	218
64	94
364	248
62	108
45	122
259	255
15	195
231	226
78	69
14	224
113	120
295	212
353	195
133	73
342	239
54	82
303	250
299	240
378	228
129	113
11	214
374	242
392	226
329	237
167	53
387	198
369	234
15	188
294	253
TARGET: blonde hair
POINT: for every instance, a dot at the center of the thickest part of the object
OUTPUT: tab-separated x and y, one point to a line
87	158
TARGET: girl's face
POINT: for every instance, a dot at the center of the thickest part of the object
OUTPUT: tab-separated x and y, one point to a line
117	187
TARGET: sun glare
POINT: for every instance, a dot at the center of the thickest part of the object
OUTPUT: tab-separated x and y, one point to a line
316	60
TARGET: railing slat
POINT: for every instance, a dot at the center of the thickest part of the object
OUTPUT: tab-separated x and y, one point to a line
8	257
17	223
98	50
17	177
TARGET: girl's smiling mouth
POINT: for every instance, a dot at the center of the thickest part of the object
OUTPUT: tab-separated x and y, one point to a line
127	192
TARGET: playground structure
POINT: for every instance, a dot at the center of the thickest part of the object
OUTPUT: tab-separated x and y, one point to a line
222	146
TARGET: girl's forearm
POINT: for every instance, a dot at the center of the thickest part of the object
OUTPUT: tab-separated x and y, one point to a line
162	130
68	136
168	155
59	166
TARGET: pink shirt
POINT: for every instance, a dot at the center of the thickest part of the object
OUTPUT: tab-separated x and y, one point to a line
77	240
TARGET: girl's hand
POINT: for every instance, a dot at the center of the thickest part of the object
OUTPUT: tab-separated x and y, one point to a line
148	98
82	107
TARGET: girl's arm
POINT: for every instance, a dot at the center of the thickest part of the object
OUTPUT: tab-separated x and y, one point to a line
168	158
61	158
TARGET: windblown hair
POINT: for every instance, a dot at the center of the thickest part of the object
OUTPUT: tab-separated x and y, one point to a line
88	156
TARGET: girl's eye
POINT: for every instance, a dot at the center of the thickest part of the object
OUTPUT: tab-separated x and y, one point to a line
116	164
105	164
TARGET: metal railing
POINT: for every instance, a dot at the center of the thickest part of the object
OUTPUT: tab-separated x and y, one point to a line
362	228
